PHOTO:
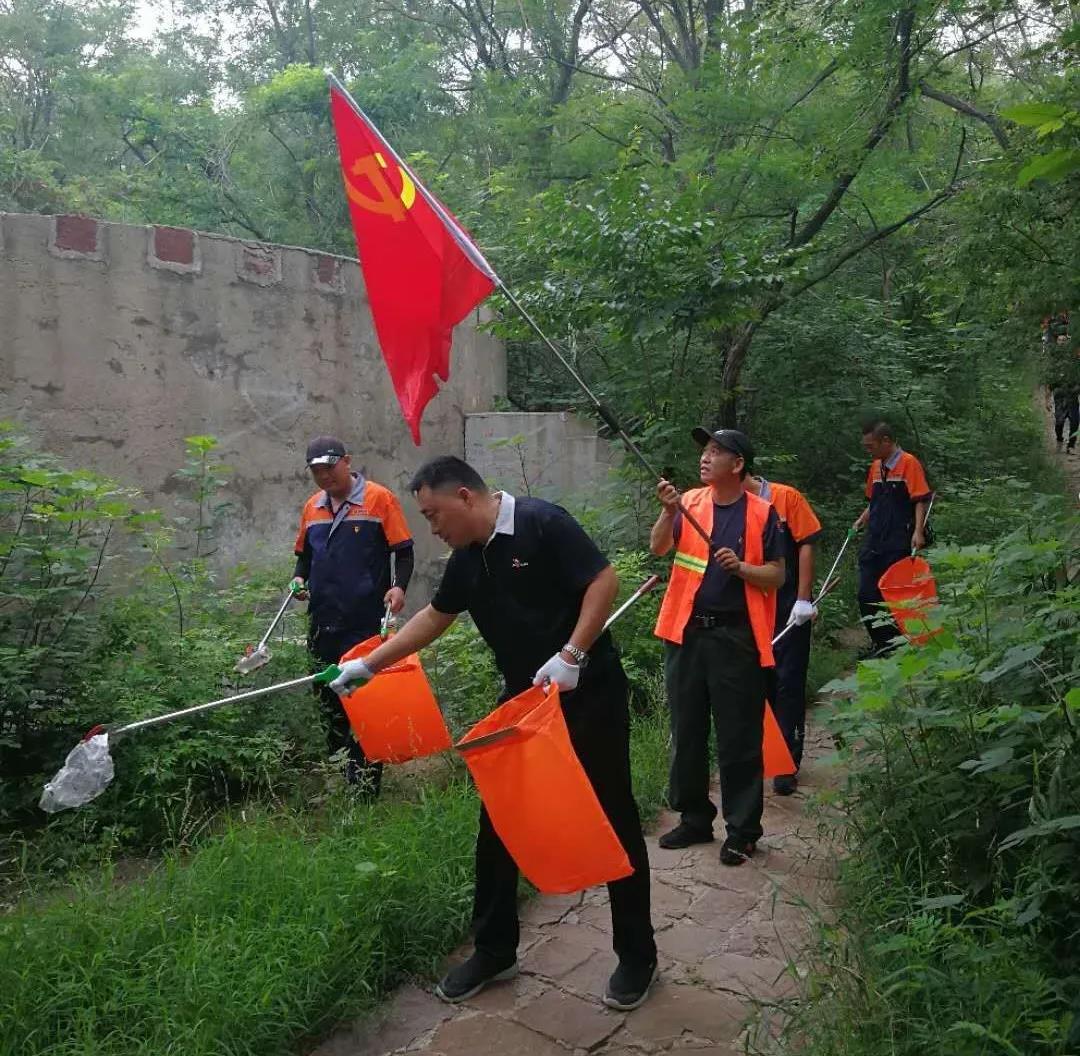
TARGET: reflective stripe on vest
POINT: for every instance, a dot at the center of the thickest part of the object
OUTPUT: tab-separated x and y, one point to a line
691	560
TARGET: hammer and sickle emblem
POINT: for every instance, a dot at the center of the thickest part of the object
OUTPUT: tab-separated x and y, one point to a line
387	202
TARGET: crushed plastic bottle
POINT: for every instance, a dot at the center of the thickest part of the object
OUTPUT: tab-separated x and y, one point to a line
86	773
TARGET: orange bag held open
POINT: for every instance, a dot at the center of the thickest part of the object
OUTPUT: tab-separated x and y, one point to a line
909	590
395	716
774	750
538	796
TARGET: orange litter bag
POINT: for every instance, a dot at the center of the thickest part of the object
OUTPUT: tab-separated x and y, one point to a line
395	716
774	750
539	798
909	590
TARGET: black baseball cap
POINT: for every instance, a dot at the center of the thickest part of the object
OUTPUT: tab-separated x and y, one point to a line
732	440
325	451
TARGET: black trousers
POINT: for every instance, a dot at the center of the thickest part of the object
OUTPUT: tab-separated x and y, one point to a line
787	686
327	645
598	720
871	568
716	675
1066	409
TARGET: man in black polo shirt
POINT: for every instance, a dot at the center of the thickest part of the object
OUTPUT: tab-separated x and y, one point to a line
539	592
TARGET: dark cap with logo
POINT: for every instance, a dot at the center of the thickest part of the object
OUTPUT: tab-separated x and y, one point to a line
325	451
732	440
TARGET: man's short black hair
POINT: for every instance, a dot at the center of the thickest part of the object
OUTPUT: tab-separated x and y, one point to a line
880	428
447	471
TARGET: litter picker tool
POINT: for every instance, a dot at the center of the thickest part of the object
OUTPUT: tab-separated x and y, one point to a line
88	768
388	620
826	589
259	655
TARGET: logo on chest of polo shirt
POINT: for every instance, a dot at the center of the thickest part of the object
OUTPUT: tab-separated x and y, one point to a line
518	563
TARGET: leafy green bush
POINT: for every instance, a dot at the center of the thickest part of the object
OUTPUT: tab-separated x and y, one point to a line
963	814
59	531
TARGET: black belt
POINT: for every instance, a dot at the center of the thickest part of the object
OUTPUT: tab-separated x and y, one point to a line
719	619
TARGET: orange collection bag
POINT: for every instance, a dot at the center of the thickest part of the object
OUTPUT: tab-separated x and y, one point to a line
774	750
909	589
395	716
538	796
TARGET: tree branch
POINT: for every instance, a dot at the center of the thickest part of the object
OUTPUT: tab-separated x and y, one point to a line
899	94
962	106
865	243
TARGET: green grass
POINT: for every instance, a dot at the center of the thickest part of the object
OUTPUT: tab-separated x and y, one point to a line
267	933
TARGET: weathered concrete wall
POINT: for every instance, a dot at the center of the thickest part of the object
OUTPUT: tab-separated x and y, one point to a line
116	342
553	455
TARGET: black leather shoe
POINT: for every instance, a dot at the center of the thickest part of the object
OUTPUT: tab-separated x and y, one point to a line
735	852
629	985
684	835
785	784
468	979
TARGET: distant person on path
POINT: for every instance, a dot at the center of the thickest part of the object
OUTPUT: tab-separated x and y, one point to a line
895	520
717	620
794	605
1066	413
1061	375
539	591
348	531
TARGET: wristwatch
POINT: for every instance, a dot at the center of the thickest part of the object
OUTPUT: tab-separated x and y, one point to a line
579	655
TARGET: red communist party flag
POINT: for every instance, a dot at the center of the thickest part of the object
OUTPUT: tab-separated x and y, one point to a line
422	271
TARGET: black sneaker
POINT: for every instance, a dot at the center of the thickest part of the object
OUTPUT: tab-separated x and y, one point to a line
629	986
684	835
462	982
735	852
785	784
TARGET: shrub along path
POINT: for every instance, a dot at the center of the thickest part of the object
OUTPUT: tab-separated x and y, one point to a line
729	939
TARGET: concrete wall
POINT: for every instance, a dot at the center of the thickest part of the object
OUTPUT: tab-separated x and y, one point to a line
116	342
552	455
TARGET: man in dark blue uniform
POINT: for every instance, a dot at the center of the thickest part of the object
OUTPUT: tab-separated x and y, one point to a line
896	521
350	530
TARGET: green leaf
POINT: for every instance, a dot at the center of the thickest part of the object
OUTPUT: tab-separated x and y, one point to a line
1053	166
941	902
991	759
1033	114
1043	828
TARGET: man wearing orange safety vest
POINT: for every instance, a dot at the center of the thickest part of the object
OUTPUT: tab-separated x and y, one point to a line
794	605
717	618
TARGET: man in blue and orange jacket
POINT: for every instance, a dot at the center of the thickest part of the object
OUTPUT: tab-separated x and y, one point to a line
349	530
899	496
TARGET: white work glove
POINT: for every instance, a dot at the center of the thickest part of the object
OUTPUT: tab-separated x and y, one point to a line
802	611
557	670
354	673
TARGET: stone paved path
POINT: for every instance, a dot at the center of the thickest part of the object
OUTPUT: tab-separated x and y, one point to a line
729	943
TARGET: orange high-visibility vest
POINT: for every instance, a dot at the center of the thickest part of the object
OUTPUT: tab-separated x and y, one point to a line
691	560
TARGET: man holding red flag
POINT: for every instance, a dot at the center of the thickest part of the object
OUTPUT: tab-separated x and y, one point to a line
422	272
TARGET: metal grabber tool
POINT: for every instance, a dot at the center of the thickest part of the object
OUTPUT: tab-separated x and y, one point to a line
257	656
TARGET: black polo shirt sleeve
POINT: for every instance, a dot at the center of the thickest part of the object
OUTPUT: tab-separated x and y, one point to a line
577	559
452	596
